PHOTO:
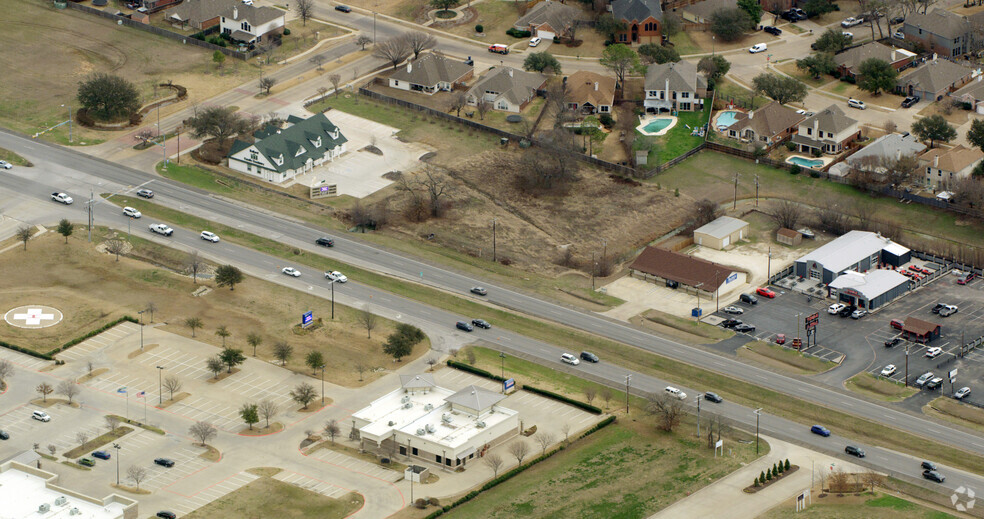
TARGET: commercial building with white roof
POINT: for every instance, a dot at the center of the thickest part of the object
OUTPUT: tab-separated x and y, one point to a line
435	424
870	290
859	251
28	492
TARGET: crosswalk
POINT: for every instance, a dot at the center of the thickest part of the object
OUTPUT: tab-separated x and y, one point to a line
87	348
313	484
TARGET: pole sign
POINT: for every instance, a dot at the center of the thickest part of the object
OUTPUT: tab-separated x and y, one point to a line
307	318
812	320
508	384
953	375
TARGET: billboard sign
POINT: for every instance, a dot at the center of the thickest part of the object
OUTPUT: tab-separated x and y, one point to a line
812	320
953	375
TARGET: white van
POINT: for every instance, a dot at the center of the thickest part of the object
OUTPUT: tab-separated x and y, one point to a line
675	393
570	359
534	41
41	415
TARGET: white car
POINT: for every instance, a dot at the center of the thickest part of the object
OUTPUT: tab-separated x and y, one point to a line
570	359
805	112
961	393
676	393
210	236
161	228
948	310
855	103
835	308
5	165
733	310
898	35
889	370
534	41
758	47
41	416
336	276
934	352
131	212
851	22
62	197
859	313
291	271
850	35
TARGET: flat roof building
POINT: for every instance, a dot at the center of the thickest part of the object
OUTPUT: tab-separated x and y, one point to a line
26	491
436	424
721	232
859	251
870	290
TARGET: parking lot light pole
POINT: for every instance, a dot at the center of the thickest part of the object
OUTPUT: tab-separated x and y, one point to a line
322	384
906	364
141	312
117	447
160	385
628	378
502	364
758	413
332	299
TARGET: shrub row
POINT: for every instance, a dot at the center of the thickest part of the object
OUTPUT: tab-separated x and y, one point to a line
516	33
514	472
32	353
576	403
92	333
473	370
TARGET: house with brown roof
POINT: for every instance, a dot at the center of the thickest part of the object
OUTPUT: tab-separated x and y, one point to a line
972	93
656	265
917	330
241	22
768	125
701	12
849	60
590	92
828	131
430	73
643	21
942	168
198	14
934	79
549	18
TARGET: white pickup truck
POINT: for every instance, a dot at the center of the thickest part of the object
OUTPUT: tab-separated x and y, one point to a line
62	197
161	228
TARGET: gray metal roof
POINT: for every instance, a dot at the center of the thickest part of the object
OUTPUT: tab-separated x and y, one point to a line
430	69
722	227
681	76
847	250
636	10
870	284
474	397
423	380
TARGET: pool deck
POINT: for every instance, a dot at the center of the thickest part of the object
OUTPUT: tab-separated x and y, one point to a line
645	120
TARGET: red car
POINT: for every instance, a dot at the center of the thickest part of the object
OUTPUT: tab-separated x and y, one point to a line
897	324
915	268
966	279
765	292
780	338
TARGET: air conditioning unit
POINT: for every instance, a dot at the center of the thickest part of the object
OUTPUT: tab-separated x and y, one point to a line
421	432
391	423
428	407
61	500
44	508
408	405
480	425
446	418
405	399
75	511
431	428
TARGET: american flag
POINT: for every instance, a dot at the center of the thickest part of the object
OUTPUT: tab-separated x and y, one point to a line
141	394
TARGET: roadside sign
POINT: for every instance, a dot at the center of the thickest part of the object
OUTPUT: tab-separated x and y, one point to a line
508	384
812	320
307	318
732	277
953	375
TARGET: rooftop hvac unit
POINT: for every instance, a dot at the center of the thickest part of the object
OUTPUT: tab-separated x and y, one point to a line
408	405
44	508
446	418
431	428
75	511
61	500
428	407
405	399
391	423
421	432
480	425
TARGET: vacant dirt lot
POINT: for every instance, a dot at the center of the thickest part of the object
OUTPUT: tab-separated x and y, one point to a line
92	289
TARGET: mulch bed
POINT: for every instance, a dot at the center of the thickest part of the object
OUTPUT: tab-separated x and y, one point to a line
751	489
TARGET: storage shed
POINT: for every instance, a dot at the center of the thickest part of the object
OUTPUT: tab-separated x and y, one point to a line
789	237
721	232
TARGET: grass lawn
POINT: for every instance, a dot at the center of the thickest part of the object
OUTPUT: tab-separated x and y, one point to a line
592	44
678	140
727	90
268	497
956	412
791	69
97	442
878	506
784	359
879	388
14	158
692	326
684	45
494	17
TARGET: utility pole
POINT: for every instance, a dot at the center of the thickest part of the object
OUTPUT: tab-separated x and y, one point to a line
140	313
332	299
160	385
493	240
697	293
628	378
906	364
769	275
594	267
698	415
756	190
758	413
735	206
502	362
90	215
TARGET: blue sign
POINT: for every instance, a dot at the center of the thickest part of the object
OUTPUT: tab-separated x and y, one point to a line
307	318
508	384
732	277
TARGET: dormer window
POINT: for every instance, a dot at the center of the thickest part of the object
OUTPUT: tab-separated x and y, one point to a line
334	134
279	159
317	143
254	155
300	151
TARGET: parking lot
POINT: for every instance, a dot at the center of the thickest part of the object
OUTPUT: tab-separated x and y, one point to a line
861	342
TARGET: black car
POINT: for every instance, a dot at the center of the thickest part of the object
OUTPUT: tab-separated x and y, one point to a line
893	342
745	328
897	20
588	356
461	325
479	290
909	101
343	8
775	31
932	475
730	323
854	451
481	323
934	383
325	242
164	514
748	298
847	311
672	284
929	465
713	397
4	435
164	462
938	307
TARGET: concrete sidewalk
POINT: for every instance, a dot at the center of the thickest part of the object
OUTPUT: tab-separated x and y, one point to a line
726	494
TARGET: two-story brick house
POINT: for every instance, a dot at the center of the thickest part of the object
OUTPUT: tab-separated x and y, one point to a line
940	31
643	21
829	131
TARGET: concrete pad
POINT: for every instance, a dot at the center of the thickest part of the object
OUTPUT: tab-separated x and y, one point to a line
641	296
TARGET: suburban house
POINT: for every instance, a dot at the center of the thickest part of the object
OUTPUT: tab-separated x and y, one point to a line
548	19
768	125
935	79
828	131
942	168
508	89
244	23
430	73
849	60
674	86
643	21
700	12
972	93
199	14
281	153
941	32
590	92
887	147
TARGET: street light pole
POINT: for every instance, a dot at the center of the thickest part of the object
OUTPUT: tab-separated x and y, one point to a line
698	415
493	240
141	312
907	364
332	299
160	385
628	378
69	122
117	447
758	413
323	384
502	367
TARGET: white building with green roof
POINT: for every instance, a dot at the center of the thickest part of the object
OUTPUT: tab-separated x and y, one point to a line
280	153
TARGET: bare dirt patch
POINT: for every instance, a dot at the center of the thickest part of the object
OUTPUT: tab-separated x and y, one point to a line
89	376
139	351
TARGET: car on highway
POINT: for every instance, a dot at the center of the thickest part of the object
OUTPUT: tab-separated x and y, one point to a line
894	341
889	370
909	101
856	103
897	324
745	328
103	455
675	393
62	198
780	338
165	514
325	241
748	298
209	236
336	276
570	359
461	325
479	291
713	397
590	357
928	465
4	435
733	310
758	47
934	352
765	292
131	212
730	323
291	271
5	165
821	430
932	475
851	22
481	323
924	378
343	8
854	451
962	393
145	193
161	228
164	462
775	31
859	313
87	462
935	383
835	308
41	416
948	310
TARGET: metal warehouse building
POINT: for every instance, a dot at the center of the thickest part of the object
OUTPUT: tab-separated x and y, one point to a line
721	232
859	251
870	290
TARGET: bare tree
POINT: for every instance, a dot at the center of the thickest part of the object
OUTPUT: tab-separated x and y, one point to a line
6	371
871	479
282	352
151	307
52	448
483	108
81	437
136	474
668	411
589	393
115	245
493	461
112	422
89	365
368	320
304	9
438	188
863	210
44	389
520	449
335	79
393	50
24	234
318	60
203	432
456	102
545	440
266	84
431	362
194	264
606	395
361	368
363	40
705	211
787	214
268	409
69	389
172	384
331	429
899	171
566	429
419	41
322	92
831	219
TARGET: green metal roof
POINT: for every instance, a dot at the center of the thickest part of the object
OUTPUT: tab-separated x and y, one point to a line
296	144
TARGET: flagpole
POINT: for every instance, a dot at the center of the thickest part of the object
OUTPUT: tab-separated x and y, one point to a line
127	393
145	408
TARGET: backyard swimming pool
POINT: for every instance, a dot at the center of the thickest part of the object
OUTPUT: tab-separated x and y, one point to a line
726	119
657	125
805	162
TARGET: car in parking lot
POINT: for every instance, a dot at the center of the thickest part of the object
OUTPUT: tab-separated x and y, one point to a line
336	276
859	313
935	383
291	271
145	193
4	435
343	8
745	328
131	212
897	324
847	310
41	416
934	352
758	47
938	307
856	103
479	291
854	451
164	462
851	22
733	310
461	325
588	356
209	236
775	31
103	455
748	298
765	292
889	370
570	359
325	242
835	308
924	378
966	279
821	430
932	475
675	393
959	395
730	323
87	462
920	270
780	338
481	323
948	310
164	514
713	397
909	101
894	341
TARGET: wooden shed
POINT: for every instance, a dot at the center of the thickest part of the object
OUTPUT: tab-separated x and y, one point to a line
788	237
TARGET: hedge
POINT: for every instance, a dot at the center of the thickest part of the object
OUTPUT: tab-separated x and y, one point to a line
32	353
514	472
92	333
473	370
576	403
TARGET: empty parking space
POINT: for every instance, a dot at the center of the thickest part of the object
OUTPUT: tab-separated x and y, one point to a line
256	388
312	483
186	463
113	382
176	362
188	504
93	345
220	415
355	465
23	360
